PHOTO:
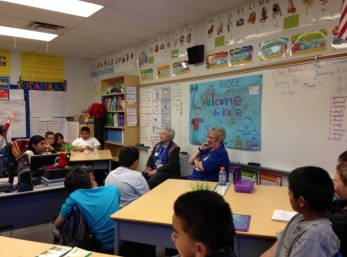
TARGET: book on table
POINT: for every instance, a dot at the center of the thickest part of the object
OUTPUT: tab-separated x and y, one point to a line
55	251
241	222
60	251
283	216
221	189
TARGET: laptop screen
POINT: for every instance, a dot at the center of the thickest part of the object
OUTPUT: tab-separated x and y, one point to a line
39	161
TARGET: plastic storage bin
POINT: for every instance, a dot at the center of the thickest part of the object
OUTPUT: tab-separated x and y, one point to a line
244	186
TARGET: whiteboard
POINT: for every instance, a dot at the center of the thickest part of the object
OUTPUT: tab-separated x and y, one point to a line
303	116
18	125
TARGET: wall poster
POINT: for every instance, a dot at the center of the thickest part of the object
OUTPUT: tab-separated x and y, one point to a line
234	104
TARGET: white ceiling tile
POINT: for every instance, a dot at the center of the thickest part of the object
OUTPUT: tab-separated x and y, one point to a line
67	53
134	20
20	47
208	5
76	48
21	41
159	9
100	37
83	42
114	29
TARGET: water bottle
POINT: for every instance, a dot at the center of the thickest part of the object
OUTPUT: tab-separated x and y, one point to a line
222	177
95	149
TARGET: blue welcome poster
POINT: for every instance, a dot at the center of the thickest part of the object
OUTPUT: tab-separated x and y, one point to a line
232	103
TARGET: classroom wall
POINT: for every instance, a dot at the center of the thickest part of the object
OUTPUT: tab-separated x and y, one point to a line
199	37
77	74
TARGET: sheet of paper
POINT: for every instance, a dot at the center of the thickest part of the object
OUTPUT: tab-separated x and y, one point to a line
284	216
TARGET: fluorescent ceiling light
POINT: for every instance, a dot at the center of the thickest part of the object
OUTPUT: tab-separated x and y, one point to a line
22	33
73	7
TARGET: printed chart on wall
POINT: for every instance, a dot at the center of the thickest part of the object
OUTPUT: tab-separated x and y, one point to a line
47	112
18	125
234	104
159	106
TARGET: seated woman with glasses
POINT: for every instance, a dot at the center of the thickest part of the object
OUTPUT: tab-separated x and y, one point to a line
164	161
210	156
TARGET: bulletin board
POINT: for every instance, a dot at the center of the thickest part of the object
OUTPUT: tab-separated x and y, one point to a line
40	67
303	117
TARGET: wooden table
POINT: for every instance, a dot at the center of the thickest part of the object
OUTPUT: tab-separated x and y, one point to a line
101	161
148	219
19	248
260	205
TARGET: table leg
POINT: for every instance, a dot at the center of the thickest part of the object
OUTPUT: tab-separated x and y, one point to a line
116	238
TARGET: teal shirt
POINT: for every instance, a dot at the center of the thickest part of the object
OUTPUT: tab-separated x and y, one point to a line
96	206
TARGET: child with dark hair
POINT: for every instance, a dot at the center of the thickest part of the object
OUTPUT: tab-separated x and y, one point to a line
96	204
58	142
338	212
203	225
85	142
308	233
37	145
50	139
130	183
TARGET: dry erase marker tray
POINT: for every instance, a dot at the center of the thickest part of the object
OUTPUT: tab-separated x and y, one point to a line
244	186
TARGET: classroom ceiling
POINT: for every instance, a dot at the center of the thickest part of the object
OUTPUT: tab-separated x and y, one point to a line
120	24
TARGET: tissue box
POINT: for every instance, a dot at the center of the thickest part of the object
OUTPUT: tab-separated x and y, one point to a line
244	186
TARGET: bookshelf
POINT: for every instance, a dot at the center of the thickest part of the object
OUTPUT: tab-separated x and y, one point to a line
117	132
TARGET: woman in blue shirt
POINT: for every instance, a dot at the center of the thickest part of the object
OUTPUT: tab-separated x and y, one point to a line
210	156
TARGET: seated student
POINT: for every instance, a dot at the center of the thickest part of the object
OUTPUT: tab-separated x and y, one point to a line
85	142
37	145
338	212
58	142
130	183
210	156
203	225
164	161
308	233
95	203
50	141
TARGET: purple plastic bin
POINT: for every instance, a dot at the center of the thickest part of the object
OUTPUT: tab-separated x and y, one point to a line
244	186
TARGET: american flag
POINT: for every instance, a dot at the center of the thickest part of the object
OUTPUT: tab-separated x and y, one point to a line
343	21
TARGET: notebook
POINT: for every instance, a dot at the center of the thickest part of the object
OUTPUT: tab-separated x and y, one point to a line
241	222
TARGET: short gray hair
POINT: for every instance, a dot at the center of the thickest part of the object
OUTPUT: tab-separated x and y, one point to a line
170	132
219	132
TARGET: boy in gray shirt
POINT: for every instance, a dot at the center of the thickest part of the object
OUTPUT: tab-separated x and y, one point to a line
309	233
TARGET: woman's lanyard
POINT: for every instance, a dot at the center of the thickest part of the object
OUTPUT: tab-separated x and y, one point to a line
158	162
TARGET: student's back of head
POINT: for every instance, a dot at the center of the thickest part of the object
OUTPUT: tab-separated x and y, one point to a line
77	179
314	185
128	155
206	218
